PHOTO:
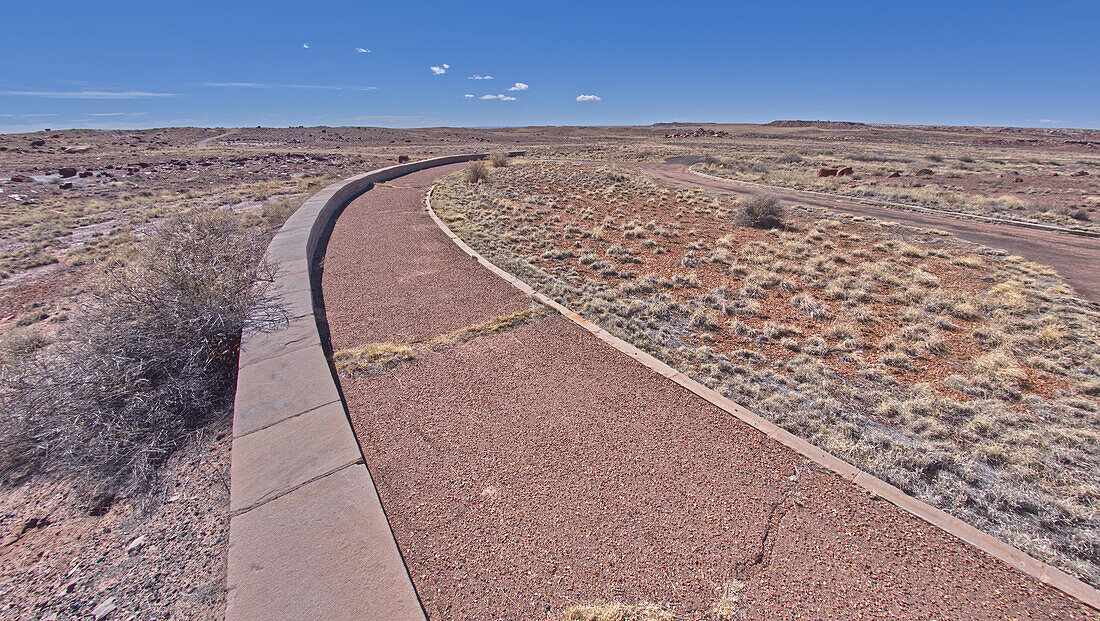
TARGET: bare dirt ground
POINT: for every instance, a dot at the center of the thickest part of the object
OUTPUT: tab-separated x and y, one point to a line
529	469
158	557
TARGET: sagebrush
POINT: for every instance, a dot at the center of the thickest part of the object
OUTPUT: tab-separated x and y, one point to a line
761	211
477	172
150	359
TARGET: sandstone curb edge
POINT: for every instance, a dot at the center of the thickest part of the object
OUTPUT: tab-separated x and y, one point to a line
308	537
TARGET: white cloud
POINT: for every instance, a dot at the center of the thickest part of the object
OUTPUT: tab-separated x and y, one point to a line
440	70
116	114
236	84
305	46
588	98
369	88
520	86
480	77
500	97
272	85
88	94
362	50
1053	121
469	96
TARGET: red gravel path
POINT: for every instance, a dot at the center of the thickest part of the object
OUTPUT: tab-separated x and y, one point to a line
526	471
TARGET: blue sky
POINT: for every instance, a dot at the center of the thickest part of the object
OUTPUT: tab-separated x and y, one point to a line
148	64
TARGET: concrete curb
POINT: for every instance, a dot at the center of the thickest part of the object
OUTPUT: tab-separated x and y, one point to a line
1042	572
308	538
930	210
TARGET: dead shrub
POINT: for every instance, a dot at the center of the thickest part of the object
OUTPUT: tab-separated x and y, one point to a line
499	160
150	360
476	172
761	211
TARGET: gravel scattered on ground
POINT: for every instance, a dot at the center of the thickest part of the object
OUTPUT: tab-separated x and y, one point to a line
158	558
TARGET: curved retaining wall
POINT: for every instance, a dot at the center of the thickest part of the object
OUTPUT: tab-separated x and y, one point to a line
307	535
1044	573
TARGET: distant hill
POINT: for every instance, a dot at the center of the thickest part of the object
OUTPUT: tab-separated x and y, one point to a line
818	124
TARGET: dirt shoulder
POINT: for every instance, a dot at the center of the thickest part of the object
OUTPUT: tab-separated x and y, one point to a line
534	468
156	558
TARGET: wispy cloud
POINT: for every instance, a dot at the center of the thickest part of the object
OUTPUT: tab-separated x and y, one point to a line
117	113
88	94
305	46
469	95
480	77
588	98
500	97
369	88
1055	121
362	50
440	70
271	85
519	86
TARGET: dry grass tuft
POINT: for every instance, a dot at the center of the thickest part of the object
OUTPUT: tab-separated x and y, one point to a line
375	358
491	326
370	358
618	612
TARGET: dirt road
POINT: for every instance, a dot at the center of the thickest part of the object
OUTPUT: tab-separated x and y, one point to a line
205	142
527	470
1075	258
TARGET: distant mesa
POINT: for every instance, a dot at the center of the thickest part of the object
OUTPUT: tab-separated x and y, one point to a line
818	124
700	133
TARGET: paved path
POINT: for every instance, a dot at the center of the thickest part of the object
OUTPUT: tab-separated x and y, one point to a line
1075	258
529	470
